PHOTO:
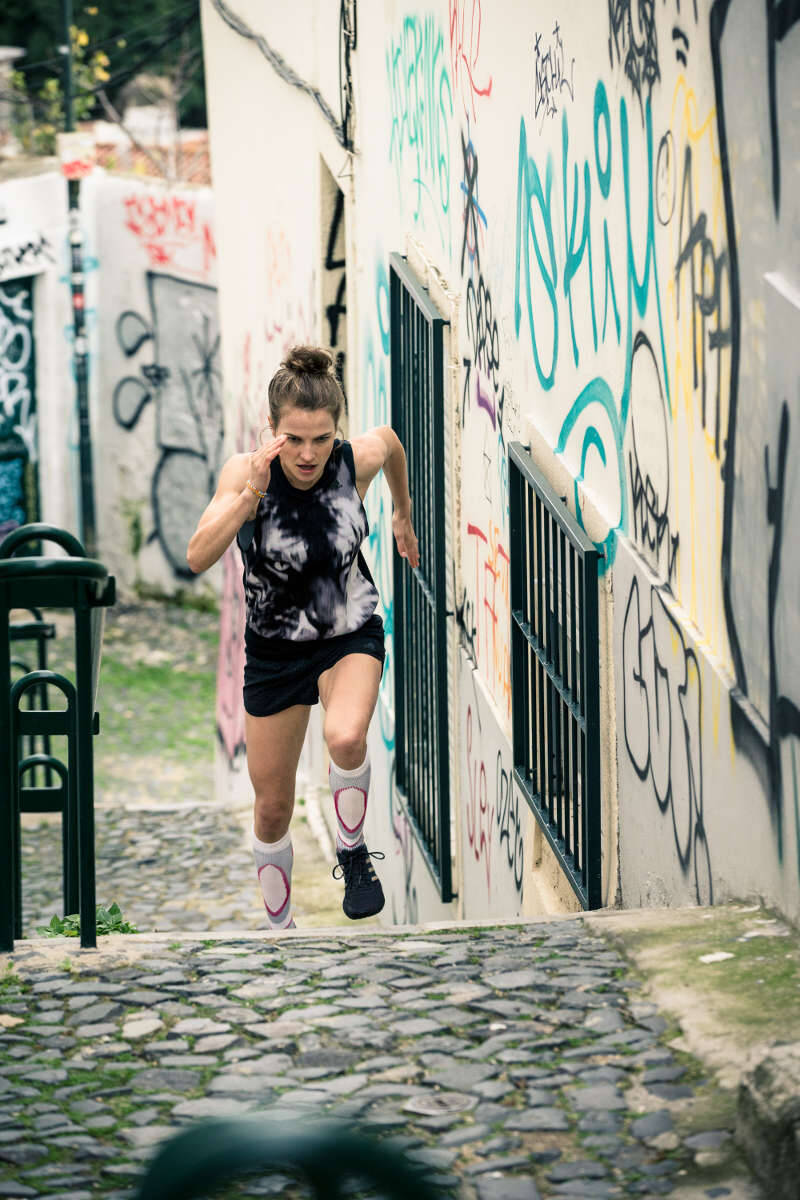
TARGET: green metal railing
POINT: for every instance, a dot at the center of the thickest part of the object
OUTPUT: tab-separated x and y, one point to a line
83	585
39	632
420	596
555	673
326	1155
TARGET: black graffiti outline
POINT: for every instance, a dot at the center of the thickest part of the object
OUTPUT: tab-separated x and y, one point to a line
665	165
133	332
508	820
338	309
472	209
781	16
549	76
640	58
764	751
650	515
708	304
692	843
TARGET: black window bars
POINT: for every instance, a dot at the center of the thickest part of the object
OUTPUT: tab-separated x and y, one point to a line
420	596
555	673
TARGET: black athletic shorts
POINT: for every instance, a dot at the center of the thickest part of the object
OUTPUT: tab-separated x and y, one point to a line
279	672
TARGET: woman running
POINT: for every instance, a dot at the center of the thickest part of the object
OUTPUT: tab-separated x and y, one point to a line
295	507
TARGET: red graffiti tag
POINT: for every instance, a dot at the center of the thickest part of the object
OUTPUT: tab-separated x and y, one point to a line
465	47
171	232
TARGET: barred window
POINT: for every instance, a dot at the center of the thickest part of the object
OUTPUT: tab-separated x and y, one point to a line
555	673
420	628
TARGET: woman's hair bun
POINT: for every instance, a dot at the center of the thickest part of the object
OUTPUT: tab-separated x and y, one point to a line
309	360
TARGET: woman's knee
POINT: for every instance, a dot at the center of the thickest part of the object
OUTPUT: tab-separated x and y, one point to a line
347	744
272	812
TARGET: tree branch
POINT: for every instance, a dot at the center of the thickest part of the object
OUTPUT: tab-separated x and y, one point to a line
161	163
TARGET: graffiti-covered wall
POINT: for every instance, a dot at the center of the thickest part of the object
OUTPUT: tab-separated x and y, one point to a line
157	387
604	199
38	444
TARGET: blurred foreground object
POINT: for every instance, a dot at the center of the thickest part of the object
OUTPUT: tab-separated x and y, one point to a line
322	1154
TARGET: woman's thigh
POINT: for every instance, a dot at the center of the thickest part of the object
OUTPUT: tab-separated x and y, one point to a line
273	749
349	691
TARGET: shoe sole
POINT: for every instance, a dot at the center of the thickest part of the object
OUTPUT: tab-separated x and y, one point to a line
360	916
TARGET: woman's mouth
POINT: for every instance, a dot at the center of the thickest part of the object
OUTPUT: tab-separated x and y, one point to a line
306	470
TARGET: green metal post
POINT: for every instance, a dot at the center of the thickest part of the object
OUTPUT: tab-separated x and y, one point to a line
85	699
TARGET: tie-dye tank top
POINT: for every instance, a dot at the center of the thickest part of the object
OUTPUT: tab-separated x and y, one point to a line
304	574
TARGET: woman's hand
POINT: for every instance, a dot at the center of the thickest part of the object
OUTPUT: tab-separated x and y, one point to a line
406	539
260	462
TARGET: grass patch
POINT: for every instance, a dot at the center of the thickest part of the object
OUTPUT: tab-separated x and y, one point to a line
757	989
149	709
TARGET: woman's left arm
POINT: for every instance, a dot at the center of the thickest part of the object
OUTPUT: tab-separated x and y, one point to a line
381	449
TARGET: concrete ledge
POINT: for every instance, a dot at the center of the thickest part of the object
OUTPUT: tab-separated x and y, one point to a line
768	1120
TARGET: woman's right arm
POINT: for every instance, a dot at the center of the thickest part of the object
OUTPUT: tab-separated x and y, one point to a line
233	504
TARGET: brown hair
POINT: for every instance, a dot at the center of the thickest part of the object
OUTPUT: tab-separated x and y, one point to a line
306	379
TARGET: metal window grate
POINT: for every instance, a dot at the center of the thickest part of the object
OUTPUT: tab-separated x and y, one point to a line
420	617
555	673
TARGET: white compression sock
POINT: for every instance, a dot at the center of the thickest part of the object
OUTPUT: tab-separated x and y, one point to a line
274	865
350	790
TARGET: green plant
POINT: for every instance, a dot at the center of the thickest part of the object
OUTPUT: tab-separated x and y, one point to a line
38	118
109	920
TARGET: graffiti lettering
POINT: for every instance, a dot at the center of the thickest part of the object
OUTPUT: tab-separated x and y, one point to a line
552	76
509	822
662	707
706	271
421	100
480	813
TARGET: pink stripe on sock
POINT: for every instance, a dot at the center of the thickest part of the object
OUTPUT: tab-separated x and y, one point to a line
352	788
282	873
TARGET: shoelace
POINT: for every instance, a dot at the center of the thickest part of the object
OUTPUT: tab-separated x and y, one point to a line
357	863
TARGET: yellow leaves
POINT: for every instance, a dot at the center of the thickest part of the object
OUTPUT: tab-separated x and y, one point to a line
101	74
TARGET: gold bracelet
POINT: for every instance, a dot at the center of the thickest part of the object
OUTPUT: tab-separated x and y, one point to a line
255	490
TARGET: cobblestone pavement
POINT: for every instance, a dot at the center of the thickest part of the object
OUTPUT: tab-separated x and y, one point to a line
180	868
511	1062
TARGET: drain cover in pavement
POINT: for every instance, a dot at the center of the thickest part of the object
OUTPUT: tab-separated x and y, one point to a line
438	1104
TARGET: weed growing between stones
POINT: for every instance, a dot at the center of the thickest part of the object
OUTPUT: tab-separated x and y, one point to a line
108	920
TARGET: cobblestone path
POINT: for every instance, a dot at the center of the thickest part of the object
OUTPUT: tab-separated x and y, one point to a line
511	1062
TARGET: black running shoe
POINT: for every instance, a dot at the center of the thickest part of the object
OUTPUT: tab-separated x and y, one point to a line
363	894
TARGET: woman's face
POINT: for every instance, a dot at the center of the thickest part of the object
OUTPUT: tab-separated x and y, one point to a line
308	445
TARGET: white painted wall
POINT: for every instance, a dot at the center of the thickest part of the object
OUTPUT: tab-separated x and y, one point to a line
157	378
618	298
